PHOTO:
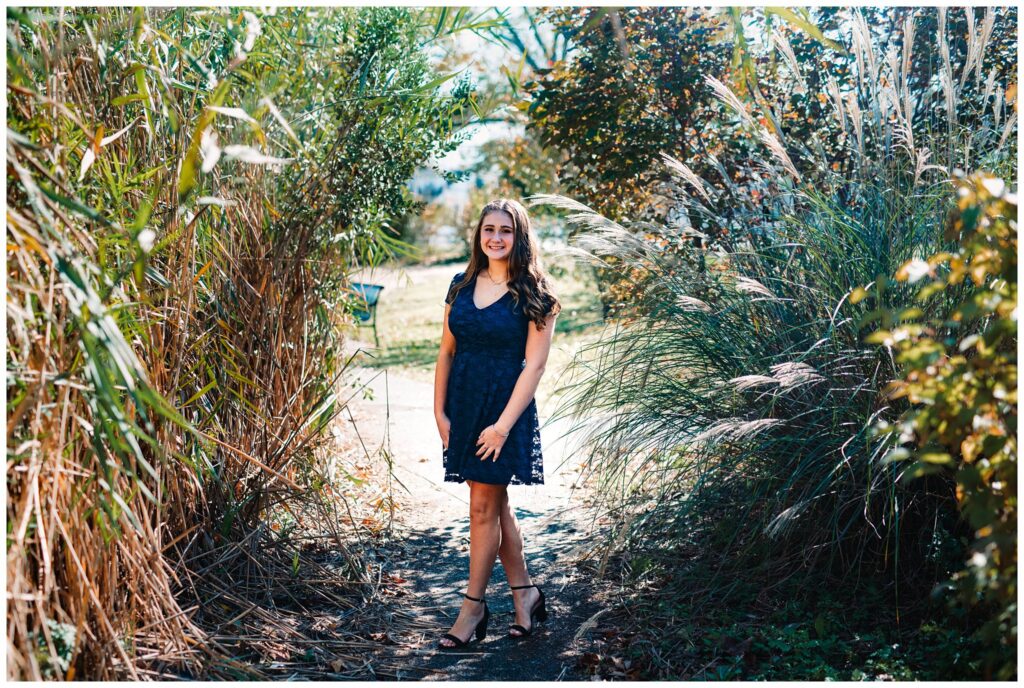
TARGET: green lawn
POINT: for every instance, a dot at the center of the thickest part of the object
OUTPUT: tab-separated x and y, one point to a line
411	310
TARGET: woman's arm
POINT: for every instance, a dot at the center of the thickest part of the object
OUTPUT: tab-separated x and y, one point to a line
538	344
443	367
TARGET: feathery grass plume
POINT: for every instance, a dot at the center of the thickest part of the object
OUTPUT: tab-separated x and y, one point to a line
864	48
990	84
689	303
909	24
977	41
853	107
747	285
946	80
781	44
795	374
892	89
735	429
745	382
903	133
779	153
680	370
997	107
687	175
1011	127
836	98
972	46
726	96
858	48
561	203
787	518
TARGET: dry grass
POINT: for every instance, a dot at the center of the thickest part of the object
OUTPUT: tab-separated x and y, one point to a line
172	359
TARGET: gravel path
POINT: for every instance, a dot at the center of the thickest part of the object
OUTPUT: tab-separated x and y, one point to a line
429	557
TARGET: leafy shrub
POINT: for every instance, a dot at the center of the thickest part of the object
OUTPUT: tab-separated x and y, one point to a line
730	411
960	378
738	376
833	96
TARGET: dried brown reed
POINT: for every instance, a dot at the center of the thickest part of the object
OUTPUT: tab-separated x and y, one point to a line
171	355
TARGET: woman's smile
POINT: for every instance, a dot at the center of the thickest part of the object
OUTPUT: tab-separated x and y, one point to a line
497	234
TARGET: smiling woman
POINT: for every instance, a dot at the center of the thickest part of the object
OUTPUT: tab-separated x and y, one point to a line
499	318
497	234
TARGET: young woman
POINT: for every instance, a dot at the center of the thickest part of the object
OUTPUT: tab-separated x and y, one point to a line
498	321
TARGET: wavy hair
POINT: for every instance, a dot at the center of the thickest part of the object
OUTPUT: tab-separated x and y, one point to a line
526	279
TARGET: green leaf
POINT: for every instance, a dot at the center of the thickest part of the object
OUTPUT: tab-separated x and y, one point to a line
919	469
75	206
145	210
805	26
442	17
200	393
189	165
858	295
124	100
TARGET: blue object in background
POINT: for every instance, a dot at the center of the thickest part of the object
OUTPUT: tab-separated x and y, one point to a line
370	294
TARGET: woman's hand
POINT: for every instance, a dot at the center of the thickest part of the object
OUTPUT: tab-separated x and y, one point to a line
444	426
490	440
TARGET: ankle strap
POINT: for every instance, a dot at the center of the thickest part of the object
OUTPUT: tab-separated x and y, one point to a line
520	587
475	599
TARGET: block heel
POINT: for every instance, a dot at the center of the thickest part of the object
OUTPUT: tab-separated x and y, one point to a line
480	632
538	613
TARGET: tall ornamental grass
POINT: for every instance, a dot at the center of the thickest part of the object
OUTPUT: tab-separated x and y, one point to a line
729	413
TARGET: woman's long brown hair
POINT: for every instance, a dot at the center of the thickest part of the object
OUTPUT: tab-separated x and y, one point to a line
526	279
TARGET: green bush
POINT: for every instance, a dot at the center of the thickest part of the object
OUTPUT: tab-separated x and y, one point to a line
730	411
737	379
959	374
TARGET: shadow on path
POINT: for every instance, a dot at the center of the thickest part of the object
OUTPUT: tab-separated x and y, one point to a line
434	564
428	559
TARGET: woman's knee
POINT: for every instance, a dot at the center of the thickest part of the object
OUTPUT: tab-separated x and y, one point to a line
485	502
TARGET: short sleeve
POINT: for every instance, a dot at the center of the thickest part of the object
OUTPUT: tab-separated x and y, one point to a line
448	299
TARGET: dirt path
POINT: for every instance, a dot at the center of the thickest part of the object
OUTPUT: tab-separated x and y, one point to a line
429	556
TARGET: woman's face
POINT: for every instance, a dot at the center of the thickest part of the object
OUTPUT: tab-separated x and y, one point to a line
497	235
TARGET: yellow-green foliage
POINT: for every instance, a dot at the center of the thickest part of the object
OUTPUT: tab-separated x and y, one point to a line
961	381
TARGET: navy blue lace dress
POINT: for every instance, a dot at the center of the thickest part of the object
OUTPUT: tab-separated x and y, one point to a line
490	349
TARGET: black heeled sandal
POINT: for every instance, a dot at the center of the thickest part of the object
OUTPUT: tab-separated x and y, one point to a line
480	632
539	612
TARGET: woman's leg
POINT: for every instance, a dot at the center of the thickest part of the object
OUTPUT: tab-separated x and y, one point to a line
514	562
484	539
511	550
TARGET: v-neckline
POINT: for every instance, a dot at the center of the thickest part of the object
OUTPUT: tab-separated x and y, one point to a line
472	298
